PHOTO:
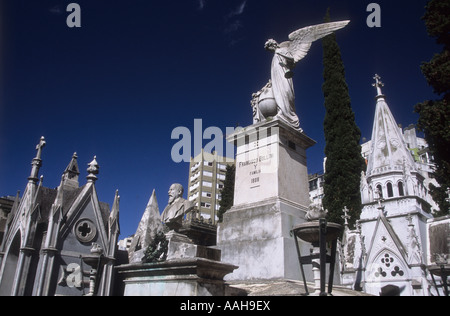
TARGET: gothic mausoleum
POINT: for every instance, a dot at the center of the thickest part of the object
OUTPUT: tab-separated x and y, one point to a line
59	241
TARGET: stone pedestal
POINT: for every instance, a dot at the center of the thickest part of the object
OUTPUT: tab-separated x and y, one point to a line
181	247
271	197
181	277
190	270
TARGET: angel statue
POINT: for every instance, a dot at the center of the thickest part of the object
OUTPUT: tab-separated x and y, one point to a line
277	99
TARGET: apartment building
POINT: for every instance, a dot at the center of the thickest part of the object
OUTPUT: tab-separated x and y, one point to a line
206	178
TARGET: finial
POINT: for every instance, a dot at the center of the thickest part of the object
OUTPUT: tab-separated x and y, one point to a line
93	170
378	84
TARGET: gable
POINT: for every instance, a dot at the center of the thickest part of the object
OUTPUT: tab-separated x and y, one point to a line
386	256
85	223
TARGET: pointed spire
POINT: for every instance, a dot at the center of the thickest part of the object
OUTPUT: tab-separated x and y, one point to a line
149	227
37	162
93	170
71	174
388	148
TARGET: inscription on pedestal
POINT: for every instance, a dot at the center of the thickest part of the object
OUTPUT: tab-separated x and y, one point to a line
254	168
257	165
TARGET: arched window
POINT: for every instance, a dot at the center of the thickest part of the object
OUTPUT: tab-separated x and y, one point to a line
379	190
390	190
401	190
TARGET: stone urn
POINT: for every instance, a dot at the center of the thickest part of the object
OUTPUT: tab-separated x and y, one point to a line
309	232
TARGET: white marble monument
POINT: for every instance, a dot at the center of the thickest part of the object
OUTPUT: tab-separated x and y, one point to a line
271	188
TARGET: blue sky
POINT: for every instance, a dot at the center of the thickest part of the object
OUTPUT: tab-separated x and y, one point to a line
137	69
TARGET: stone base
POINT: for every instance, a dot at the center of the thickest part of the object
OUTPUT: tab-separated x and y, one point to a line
181	247
200	232
258	239
182	277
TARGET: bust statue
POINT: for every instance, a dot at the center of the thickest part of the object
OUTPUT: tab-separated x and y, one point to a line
177	208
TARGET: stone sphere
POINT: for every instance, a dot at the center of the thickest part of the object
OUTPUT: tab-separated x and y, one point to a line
268	107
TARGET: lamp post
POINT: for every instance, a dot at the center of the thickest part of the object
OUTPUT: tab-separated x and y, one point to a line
318	232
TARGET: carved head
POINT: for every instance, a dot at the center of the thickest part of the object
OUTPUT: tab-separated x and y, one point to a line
315	212
176	191
271	45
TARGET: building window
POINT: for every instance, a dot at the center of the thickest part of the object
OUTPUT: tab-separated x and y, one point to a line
207	174
390	190
207	184
206	194
313	184
401	190
205	205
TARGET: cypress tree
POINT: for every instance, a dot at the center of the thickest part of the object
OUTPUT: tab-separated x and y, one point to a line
434	118
227	192
344	162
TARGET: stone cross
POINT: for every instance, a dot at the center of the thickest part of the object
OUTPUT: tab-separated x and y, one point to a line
380	200
378	84
346	217
378	197
36	163
39	147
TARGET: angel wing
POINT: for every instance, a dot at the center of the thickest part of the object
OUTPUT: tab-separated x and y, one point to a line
301	40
